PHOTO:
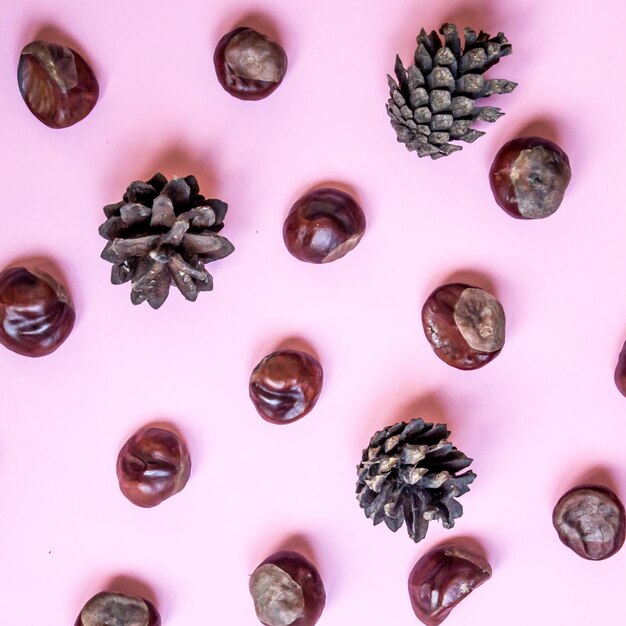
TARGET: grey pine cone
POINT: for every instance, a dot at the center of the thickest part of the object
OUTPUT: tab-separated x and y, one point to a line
408	473
433	101
164	232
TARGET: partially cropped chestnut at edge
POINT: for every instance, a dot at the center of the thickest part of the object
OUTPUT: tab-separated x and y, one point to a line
323	226
249	65
153	465
620	371
442	578
36	313
117	609
285	385
464	325
287	590
529	176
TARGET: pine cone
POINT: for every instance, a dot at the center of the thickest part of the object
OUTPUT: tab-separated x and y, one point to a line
162	232
408	474
433	101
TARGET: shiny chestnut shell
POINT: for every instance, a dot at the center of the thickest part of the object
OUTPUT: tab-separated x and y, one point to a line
529	176
589	520
620	371
442	578
323	225
36	314
117	609
287	590
464	325
57	84
153	465
249	65
286	385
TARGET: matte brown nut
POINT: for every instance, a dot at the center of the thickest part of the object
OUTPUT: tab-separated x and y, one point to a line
117	609
590	520
153	465
620	371
287	590
441	579
529	176
36	314
286	385
465	325
249	65
56	83
323	225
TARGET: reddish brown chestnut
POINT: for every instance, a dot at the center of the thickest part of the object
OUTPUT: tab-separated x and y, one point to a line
117	609
152	466
590	520
286	385
323	225
287	590
36	314
465	325
56	83
529	177
249	65
620	371
441	579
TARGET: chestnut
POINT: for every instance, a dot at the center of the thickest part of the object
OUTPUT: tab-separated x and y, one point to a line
117	609
529	176
620	371
465	325
249	65
323	225
286	385
36	314
442	578
153	465
287	590
57	84
589	519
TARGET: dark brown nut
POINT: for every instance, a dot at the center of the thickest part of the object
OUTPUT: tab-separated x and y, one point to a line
36	314
286	385
529	177
153	465
117	609
465	325
249	65
287	590
56	83
620	371
590	520
323	225
441	579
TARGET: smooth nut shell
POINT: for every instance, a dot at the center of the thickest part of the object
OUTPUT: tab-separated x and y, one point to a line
117	609
620	371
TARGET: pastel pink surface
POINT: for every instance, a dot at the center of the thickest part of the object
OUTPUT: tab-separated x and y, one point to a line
542	417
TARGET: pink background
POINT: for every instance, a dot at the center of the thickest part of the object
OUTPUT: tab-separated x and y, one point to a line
542	417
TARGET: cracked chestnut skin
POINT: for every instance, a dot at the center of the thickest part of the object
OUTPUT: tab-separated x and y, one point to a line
464	325
117	609
286	385
589	520
442	578
620	371
249	65
300	594
529	176
36	314
153	465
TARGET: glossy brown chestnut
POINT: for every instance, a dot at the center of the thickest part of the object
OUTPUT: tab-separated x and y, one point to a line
56	83
590	520
36	314
249	65
620	371
287	590
323	225
286	385
153	465
465	325
117	609
529	177
441	579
